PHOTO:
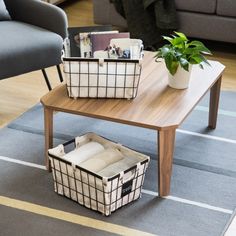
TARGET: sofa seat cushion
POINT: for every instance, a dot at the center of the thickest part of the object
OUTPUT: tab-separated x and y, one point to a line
202	6
226	8
24	48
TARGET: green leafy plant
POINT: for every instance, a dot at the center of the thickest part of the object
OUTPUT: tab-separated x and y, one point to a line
181	51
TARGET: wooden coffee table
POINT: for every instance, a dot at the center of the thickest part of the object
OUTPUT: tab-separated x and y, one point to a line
156	106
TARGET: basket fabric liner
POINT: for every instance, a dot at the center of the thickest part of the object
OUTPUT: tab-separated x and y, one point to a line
96	78
101	193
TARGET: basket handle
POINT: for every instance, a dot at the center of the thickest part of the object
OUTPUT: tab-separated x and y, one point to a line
124	180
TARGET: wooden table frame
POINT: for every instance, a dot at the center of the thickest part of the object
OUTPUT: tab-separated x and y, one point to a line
166	142
166	126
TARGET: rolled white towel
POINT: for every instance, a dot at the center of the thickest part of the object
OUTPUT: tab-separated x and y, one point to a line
118	166
102	159
83	152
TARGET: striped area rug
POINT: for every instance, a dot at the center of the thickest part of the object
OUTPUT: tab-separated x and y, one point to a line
203	188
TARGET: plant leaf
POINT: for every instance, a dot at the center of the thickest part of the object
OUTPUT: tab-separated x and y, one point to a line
161	52
169	39
196	59
164	50
201	66
204	59
181	51
181	35
171	63
200	46
184	63
189	51
196	43
177	41
174	67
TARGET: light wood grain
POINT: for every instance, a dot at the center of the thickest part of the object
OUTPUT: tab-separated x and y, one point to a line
166	144
18	94
155	103
48	127
214	103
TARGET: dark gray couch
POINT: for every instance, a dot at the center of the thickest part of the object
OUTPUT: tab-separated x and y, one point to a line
32	38
205	19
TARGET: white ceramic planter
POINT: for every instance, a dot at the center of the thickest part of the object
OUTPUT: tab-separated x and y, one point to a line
180	80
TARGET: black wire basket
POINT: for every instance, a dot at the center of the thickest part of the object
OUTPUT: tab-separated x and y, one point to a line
99	193
102	78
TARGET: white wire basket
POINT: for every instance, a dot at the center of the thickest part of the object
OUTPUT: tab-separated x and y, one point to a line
102	78
92	190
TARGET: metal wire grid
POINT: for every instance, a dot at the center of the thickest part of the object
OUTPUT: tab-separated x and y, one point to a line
88	189
114	79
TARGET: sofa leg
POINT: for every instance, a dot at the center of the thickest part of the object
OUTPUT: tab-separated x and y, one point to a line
46	79
59	73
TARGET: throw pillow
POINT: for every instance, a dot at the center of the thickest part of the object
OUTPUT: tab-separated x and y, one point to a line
4	14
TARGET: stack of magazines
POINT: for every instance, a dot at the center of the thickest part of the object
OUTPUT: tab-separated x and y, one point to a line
102	42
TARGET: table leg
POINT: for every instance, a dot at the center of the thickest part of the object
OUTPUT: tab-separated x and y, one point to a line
166	143
48	129
214	102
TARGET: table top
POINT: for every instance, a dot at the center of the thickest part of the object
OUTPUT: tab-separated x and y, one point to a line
157	106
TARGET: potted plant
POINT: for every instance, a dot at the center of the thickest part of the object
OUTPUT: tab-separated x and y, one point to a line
179	56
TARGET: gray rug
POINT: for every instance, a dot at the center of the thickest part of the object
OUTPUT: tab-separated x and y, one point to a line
203	188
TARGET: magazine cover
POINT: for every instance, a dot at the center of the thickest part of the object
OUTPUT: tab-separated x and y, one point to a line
74	43
128	48
86	44
101	42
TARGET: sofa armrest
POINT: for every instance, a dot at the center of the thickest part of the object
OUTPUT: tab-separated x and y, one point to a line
39	13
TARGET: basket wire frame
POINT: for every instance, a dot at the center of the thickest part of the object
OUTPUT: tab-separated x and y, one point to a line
64	177
114	79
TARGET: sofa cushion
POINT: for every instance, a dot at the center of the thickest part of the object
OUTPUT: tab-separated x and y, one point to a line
24	48
202	6
4	14
226	8
207	26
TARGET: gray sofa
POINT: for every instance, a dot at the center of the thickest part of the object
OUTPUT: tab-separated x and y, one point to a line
204	19
32	34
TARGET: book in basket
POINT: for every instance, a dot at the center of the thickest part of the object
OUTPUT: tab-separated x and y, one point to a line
73	49
115	77
87	43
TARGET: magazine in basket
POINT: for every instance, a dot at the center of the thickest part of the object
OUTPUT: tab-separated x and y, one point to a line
98	173
73	42
112	74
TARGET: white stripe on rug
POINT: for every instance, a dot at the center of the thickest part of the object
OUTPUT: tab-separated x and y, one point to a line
227	140
189	202
173	198
25	163
220	111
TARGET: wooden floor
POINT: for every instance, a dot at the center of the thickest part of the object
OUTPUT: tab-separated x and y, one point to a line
19	93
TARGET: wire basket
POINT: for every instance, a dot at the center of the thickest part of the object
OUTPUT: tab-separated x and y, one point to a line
99	193
102	78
